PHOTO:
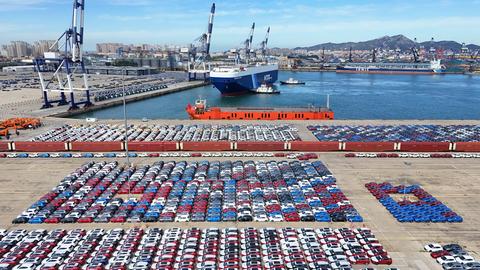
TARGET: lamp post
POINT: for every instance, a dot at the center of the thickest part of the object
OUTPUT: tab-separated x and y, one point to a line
124	70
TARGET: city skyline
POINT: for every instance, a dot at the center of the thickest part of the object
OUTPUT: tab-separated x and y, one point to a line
293	23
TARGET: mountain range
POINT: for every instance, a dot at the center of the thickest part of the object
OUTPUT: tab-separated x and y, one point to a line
389	43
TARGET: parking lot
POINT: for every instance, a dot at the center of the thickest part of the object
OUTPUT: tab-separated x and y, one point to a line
452	181
195	191
208	249
156	132
397	133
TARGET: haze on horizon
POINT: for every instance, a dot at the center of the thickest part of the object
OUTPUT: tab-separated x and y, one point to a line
293	23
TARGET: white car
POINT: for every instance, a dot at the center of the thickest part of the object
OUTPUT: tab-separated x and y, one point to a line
55	155
446	259
77	155
185	154
33	155
121	155
433	247
206	154
465	259
12	155
371	155
98	155
291	156
142	155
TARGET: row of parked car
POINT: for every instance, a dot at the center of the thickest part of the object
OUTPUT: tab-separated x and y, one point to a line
189	249
158	132
300	156
101	95
452	257
414	155
423	208
399	133
195	191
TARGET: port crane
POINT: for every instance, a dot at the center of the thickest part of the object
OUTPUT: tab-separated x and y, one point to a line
473	58
264	43
199	51
374	55
69	74
248	43
415	51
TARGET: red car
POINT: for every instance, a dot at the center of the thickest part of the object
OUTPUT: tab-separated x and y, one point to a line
359	259
381	260
440	253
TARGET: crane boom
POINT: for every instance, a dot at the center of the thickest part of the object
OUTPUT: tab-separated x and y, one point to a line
209	30
76	31
414	51
265	43
248	42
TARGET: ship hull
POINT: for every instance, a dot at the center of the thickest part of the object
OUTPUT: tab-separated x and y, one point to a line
240	84
218	113
287	83
405	72
434	67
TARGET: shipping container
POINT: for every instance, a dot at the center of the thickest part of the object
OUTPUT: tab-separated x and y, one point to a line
369	146
206	146
424	146
40	146
146	146
97	146
4	146
467	147
261	146
315	146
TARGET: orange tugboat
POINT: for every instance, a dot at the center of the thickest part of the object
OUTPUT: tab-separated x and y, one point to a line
201	112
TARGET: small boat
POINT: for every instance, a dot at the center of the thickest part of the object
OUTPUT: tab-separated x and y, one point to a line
291	81
266	89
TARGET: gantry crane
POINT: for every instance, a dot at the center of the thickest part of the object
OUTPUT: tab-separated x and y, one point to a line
248	43
263	45
67	68
199	51
414	50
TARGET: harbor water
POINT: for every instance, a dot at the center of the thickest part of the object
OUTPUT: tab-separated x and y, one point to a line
352	96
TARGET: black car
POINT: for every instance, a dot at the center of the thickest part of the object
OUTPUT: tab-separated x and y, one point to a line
20	220
338	217
451	247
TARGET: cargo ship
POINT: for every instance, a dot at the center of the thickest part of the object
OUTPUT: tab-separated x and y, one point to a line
242	79
433	67
200	111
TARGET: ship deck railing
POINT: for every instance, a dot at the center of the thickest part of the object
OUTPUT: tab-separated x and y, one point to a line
277	109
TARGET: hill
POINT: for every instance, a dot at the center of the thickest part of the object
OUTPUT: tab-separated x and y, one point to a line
389	43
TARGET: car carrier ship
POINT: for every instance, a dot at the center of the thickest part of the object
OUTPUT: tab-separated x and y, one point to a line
432	67
245	76
242	79
200	111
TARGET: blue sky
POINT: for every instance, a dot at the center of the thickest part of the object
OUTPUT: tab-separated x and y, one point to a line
293	23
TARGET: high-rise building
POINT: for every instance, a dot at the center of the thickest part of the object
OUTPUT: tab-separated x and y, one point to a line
108	48
42	46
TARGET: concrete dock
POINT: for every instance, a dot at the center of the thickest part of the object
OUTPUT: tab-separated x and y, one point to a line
453	181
